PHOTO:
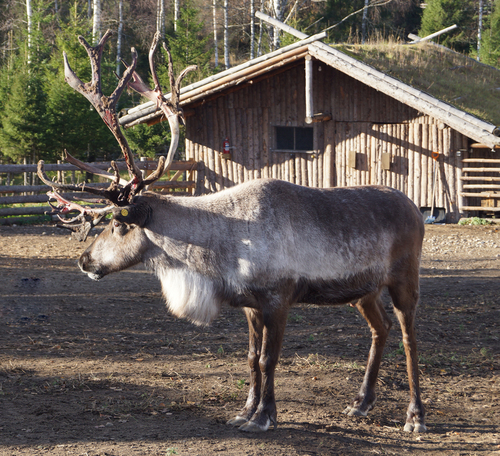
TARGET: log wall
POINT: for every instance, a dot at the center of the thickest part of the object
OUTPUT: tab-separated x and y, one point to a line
371	138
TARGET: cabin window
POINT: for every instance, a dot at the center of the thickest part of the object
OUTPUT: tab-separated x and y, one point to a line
296	139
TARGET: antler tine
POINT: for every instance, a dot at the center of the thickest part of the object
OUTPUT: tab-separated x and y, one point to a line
170	109
88	217
64	206
152	51
92	91
106	106
111	193
96	171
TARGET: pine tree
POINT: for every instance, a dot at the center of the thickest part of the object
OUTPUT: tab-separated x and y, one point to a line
335	11
440	14
22	99
23	114
490	49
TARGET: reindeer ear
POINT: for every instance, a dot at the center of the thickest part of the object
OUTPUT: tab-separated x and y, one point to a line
133	214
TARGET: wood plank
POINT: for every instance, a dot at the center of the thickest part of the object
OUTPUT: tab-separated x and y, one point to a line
433	165
327	155
122	166
480	170
488	186
424	181
411	161
265	143
481	160
481	208
217	146
441	199
239	152
220	135
473	178
232	143
451	181
481	195
418	164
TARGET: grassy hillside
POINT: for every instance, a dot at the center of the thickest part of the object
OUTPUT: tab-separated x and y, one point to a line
444	74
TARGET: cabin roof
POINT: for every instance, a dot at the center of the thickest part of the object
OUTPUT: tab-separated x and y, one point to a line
469	125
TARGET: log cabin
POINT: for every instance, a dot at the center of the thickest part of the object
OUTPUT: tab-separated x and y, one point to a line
313	115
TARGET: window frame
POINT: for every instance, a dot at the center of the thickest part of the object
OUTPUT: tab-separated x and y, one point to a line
293	150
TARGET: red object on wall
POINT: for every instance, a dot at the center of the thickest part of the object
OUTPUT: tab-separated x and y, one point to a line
225	148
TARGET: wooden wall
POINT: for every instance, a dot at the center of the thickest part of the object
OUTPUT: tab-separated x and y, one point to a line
371	139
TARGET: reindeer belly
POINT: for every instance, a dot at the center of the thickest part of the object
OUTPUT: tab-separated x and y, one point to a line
340	291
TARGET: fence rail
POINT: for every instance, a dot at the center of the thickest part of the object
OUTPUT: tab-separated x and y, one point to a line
182	182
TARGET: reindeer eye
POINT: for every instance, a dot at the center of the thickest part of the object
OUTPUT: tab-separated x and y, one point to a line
117	226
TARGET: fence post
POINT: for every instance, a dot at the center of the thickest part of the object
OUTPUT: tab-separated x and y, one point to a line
60	174
25	161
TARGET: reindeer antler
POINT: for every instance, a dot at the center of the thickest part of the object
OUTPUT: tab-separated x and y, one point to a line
106	106
119	192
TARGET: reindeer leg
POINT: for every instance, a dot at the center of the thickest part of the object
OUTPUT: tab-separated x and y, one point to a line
405	299
373	311
273	324
255	329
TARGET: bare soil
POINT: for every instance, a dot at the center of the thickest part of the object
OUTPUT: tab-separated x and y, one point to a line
101	368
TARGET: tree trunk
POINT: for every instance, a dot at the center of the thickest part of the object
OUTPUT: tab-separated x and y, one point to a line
160	18
252	29
119	38
56	9
226	35
279	14
363	23
176	14
216	43
29	14
259	44
96	23
479	30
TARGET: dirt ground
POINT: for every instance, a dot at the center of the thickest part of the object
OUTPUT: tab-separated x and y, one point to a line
101	368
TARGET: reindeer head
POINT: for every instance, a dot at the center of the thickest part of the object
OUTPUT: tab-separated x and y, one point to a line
120	192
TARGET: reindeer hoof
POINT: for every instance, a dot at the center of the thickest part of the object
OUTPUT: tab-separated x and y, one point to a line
417	427
252	426
351	411
237	421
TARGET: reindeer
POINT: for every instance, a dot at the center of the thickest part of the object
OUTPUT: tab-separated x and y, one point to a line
262	246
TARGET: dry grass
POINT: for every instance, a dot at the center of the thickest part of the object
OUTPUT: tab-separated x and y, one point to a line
444	74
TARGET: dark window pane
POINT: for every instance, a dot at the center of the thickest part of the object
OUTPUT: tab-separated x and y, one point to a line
284	138
303	138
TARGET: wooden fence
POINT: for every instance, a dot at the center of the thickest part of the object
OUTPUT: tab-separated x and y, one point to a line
181	182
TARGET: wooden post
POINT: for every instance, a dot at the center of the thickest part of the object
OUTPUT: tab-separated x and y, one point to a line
216	147
411	163
309	89
424	191
328	180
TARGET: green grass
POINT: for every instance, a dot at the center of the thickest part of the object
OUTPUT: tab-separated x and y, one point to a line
447	75
475	221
